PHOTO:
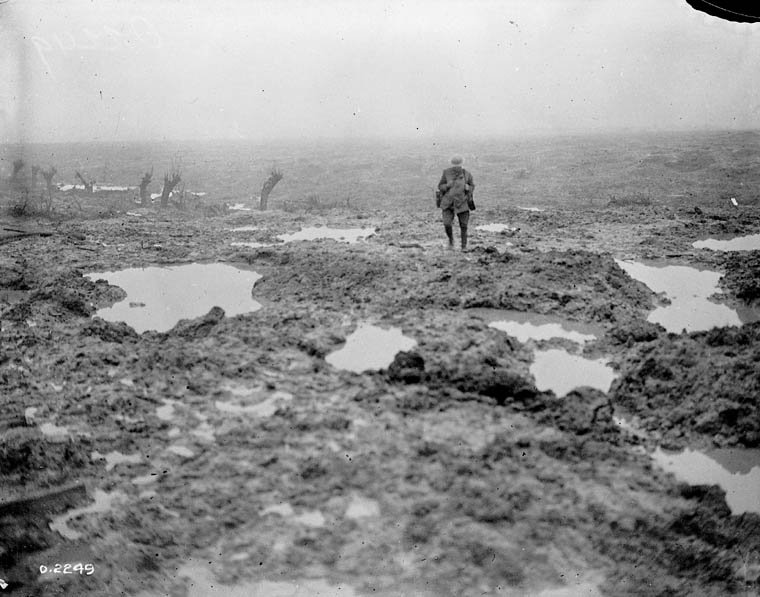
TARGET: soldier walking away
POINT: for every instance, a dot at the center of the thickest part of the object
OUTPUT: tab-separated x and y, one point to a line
454	196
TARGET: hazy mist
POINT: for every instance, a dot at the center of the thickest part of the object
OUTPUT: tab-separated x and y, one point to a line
138	69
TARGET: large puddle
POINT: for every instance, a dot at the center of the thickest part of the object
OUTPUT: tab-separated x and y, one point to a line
736	471
559	371
158	297
532	326
688	290
346	235
740	243
370	348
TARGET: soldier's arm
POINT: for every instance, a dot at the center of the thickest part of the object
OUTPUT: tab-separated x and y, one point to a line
443	184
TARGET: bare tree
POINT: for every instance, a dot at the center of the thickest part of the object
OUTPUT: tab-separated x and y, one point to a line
146	180
88	186
275	176
171	180
48	176
18	165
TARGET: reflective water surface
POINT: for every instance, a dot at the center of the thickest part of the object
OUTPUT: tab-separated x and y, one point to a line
740	243
158	297
346	235
370	348
736	471
559	371
688	290
531	326
495	228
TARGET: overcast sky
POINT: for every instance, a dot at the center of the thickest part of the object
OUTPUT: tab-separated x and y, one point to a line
144	69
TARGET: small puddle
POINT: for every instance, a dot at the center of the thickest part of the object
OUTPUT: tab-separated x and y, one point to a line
740	243
309	518
115	458
532	326
182	451
113	188
688	290
204	432
346	235
252	244
166	412
559	371
54	433
240	207
145	479
362	507
370	348
496	228
534	209
245	229
203	583
265	408
734	470
103	503
178	292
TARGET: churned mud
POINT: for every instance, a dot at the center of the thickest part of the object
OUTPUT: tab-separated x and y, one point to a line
264	446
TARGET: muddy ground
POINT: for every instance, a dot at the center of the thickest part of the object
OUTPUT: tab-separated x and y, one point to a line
482	484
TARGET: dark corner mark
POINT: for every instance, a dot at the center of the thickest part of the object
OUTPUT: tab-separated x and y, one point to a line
739	11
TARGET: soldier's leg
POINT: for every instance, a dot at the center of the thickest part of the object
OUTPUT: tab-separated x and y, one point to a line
464	219
448	221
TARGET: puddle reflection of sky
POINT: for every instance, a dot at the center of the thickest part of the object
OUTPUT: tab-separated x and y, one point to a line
554	370
559	371
688	290
348	235
370	348
736	471
740	243
178	292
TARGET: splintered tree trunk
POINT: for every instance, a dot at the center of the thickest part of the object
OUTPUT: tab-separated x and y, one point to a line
88	186
48	176
169	184
275	176
17	167
144	187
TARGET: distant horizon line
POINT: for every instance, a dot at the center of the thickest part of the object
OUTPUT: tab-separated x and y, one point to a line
436	140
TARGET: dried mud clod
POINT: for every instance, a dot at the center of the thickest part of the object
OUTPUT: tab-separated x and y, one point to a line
108	331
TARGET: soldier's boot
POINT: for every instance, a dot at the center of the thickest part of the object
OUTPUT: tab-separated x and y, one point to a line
450	234
463	230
